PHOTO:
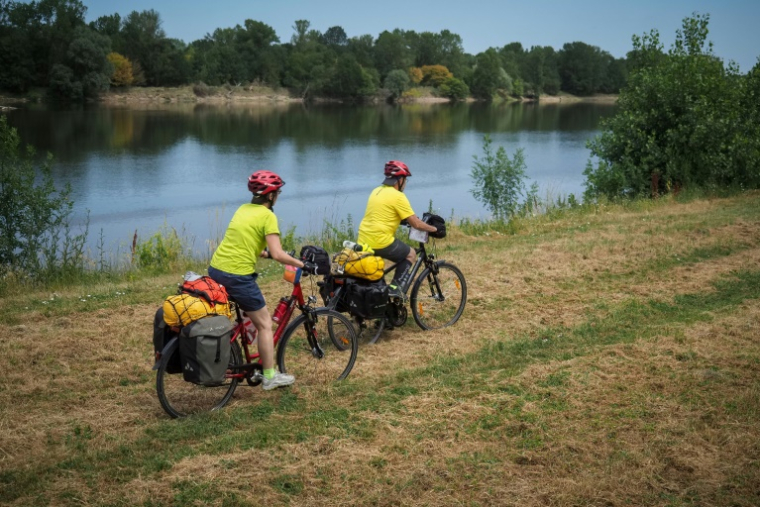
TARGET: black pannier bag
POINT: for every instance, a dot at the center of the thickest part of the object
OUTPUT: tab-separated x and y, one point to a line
436	221
367	300
162	335
318	256
329	287
204	347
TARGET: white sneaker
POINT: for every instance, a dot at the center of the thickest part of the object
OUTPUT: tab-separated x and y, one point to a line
279	380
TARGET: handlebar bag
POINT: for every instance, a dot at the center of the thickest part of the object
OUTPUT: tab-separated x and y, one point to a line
318	256
436	221
204	348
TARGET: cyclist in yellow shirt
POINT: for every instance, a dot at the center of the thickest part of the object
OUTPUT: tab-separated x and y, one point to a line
252	228
387	206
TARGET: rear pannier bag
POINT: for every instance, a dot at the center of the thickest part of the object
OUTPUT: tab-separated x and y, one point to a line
368	301
204	347
162	335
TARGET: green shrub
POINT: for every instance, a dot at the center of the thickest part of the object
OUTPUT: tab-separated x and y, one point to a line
499	181
684	119
36	241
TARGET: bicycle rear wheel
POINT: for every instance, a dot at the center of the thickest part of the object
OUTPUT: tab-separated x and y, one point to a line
318	348
181	399
438	296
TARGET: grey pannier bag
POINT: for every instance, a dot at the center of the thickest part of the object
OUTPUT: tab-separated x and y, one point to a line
204	347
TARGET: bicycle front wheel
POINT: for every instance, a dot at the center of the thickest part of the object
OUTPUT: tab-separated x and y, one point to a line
319	347
180	398
438	296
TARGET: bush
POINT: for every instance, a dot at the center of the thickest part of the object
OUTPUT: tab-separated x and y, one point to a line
683	120
36	242
499	181
396	82
454	89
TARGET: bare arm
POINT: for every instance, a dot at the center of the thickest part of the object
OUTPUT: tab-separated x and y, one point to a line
277	253
419	224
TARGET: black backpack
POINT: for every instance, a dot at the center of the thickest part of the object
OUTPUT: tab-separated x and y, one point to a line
204	347
316	255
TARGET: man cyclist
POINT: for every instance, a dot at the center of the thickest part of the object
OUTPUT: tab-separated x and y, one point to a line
387	206
252	228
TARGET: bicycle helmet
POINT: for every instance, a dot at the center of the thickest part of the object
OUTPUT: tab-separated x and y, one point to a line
396	169
264	182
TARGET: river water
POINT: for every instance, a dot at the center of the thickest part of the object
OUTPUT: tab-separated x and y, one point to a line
140	168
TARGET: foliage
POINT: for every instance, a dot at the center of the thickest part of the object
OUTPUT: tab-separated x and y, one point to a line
33	212
86	71
396	82
162	251
415	75
434	75
122	70
498	181
454	89
487	76
684	119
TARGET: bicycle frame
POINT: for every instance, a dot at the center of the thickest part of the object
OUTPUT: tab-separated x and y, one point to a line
296	299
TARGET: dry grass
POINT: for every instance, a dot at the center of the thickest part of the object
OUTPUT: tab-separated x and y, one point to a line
662	413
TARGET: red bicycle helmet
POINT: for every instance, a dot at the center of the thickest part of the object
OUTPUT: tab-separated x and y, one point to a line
394	169
264	182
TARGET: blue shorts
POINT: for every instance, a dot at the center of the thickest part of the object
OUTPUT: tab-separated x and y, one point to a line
243	289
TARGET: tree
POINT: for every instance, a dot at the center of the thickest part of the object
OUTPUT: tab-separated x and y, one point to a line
335	36
487	75
434	75
683	120
31	207
454	89
582	68
122	70
396	82
392	52
499	181
86	72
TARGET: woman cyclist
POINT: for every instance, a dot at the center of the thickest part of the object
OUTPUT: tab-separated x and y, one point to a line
387	206
253	232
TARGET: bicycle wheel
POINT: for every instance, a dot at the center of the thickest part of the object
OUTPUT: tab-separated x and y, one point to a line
438	296
308	347
179	398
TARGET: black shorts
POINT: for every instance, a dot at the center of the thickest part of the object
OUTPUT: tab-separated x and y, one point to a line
396	251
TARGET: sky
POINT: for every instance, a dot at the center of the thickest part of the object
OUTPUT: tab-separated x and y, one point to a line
608	24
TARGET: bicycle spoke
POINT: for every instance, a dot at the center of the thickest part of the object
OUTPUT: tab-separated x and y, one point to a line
438	299
321	352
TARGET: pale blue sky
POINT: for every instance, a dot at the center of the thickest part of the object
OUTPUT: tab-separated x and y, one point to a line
481	23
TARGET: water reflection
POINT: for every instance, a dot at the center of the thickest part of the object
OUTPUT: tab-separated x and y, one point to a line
138	167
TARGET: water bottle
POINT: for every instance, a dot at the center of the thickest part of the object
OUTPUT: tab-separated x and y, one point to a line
282	308
251	333
353	246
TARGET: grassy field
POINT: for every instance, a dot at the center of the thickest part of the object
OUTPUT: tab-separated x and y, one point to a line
607	356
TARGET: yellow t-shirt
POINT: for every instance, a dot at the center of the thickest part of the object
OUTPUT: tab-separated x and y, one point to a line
386	208
245	239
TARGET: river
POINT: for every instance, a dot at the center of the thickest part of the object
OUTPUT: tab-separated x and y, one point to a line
140	168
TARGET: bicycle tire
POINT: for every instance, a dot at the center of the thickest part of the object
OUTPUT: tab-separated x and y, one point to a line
437	309
369	330
180	398
296	356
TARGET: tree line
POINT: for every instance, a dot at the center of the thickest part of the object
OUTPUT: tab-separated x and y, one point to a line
48	44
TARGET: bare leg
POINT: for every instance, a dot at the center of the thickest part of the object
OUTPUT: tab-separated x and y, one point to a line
263	323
